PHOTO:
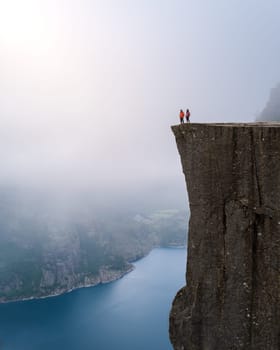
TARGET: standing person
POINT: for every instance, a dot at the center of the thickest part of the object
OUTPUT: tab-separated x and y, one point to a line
188	114
181	115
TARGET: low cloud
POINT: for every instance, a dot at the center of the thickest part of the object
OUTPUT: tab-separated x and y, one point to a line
271	112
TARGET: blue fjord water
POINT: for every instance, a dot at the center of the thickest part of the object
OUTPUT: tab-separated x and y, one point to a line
128	314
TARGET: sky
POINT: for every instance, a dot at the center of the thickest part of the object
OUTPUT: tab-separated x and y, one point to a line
89	88
271	112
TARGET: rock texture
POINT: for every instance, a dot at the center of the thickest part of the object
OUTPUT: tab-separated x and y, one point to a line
232	297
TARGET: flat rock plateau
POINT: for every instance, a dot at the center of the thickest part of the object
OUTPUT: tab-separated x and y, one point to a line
232	297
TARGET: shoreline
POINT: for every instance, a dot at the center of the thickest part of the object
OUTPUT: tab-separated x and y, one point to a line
120	275
66	291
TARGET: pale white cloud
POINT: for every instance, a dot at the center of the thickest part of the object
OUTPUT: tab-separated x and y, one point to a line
88	89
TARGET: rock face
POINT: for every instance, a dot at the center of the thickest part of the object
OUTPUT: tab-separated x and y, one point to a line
232	297
45	255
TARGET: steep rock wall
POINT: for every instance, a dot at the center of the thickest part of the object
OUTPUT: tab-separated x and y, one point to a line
232	296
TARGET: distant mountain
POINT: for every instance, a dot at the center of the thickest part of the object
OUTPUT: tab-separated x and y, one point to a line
271	111
43	253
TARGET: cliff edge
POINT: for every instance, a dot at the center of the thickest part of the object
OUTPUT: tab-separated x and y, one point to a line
232	297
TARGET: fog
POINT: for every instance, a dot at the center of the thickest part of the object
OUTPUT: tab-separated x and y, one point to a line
271	111
89	89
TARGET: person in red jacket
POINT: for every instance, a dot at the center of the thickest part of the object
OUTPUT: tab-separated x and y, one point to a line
188	114
181	115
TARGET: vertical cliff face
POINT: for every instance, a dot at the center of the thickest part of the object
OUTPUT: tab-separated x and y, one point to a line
232	296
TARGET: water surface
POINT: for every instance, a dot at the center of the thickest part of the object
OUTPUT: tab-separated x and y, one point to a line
129	314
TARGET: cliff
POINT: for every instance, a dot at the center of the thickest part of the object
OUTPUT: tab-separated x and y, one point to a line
232	296
42	255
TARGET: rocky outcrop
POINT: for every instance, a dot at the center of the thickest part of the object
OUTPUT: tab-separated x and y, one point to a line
232	297
271	111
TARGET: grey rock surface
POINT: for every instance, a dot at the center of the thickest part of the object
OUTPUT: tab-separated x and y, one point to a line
232	296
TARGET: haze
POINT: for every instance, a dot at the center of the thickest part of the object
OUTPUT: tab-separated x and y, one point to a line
89	89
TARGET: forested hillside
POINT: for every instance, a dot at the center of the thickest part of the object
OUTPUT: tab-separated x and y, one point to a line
45	253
